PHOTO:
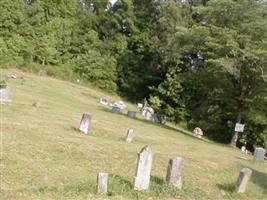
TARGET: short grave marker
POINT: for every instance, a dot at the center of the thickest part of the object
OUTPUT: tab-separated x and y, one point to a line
174	172
130	135
259	154
243	179
85	123
102	183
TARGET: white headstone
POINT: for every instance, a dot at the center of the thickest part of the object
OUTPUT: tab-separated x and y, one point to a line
198	132
243	179
259	154
103	101
85	123
4	94
143	169
174	172
130	135
102	183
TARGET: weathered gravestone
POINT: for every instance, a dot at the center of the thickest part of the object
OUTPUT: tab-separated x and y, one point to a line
174	172
198	133
130	135
131	114
143	169
115	109
85	123
102	183
243	179
4	94
259	154
103	101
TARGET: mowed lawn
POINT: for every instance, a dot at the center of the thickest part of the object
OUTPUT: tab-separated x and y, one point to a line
44	156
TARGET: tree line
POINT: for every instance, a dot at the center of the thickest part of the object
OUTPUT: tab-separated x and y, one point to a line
202	62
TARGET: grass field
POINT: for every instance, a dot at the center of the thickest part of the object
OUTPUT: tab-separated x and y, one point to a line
44	156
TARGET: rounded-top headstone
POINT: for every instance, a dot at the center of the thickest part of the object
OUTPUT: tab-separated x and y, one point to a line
259	154
243	179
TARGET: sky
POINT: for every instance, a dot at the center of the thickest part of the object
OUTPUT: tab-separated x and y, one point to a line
113	1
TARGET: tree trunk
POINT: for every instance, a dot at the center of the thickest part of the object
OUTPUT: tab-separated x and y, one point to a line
235	136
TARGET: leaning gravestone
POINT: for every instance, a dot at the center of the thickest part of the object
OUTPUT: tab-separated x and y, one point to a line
243	179
131	114
143	169
85	123
102	183
174	172
4	94
130	135
259	154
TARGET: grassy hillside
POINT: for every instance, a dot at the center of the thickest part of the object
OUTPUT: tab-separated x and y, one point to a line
45	157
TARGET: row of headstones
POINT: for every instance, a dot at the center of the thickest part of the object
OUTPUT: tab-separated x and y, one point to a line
174	173
259	153
144	166
86	123
143	170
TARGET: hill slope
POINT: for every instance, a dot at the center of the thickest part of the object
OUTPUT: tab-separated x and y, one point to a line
45	157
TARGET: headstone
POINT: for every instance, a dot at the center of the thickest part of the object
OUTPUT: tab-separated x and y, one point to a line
243	179
115	109
4	94
143	169
131	114
148	113
102	183
198	133
85	123
130	135
103	101
259	154
139	106
174	172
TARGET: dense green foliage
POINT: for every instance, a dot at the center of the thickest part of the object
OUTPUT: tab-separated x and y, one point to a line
200	61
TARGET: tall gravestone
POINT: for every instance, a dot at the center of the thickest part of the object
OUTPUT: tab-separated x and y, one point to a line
143	169
243	180
4	94
174	172
259	154
102	183
85	123
130	135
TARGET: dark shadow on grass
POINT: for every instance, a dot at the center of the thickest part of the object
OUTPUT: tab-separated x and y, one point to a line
227	187
75	129
259	178
119	179
118	185
157	181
